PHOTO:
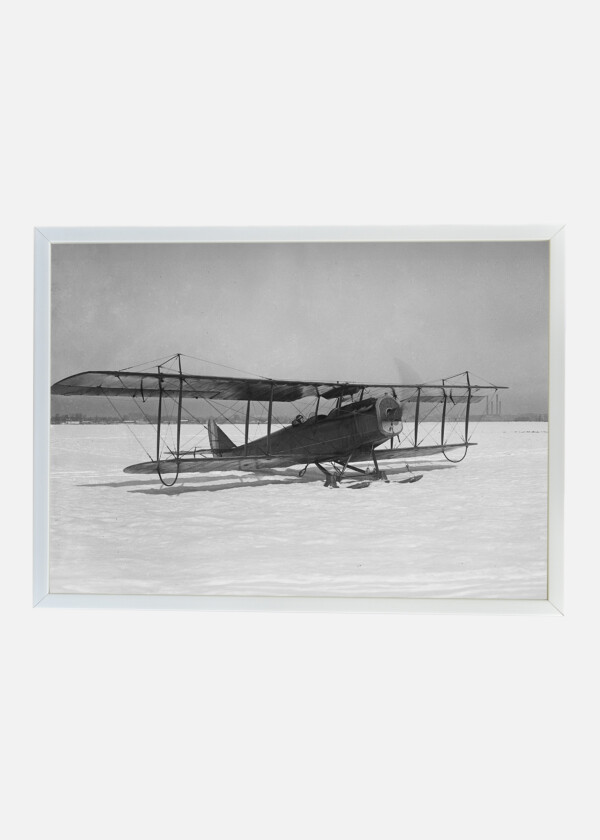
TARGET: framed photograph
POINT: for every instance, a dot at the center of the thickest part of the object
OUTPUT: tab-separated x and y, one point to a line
340	419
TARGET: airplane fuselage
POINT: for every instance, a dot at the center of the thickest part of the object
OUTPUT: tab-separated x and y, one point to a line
341	432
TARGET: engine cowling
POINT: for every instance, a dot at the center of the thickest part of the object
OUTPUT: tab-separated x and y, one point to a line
389	415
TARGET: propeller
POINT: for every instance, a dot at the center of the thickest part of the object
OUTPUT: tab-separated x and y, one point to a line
406	373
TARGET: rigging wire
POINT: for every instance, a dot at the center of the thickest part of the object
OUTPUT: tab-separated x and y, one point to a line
474	426
122	419
228	367
408	429
487	382
423	419
143	365
170	439
145	416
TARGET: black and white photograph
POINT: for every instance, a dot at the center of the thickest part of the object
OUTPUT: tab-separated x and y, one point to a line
297	418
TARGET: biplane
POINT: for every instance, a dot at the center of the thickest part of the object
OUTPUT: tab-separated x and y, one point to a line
348	424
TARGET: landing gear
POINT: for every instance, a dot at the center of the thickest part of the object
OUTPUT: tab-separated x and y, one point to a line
333	479
379	474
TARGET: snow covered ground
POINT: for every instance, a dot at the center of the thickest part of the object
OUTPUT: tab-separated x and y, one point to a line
476	530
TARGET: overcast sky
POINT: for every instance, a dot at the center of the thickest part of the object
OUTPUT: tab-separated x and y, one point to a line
378	312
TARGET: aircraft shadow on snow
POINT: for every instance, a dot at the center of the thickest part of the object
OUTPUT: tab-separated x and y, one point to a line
215	484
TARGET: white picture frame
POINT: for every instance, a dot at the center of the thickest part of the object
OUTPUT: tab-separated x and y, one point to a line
45	238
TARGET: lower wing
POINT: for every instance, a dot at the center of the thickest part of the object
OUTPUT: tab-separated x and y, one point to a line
262	464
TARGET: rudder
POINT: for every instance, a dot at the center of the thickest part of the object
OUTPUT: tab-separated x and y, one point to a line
219	442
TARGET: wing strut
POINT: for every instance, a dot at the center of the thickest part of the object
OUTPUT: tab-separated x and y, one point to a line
317	406
417	416
444	414
468	408
179	407
269	420
247	428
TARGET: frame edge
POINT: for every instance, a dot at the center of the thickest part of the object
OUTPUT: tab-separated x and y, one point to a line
44	238
294	604
41	415
556	422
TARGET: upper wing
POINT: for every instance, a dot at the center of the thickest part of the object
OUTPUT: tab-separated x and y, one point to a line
114	383
454	394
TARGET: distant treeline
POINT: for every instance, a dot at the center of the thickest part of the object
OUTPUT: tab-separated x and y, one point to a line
57	419
513	418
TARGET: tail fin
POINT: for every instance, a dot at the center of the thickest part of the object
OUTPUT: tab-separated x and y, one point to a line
219	442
